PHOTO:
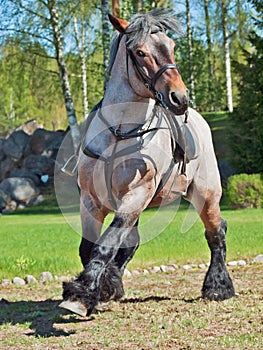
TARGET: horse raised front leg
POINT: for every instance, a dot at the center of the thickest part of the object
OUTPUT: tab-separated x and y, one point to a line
111	281
217	284
85	291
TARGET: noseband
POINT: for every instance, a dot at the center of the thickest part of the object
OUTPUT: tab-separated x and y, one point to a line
149	82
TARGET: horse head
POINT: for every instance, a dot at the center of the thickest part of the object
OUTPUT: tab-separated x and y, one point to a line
151	67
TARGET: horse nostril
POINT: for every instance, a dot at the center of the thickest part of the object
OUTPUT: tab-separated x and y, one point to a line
174	99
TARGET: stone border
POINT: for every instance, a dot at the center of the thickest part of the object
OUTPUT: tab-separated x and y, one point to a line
47	277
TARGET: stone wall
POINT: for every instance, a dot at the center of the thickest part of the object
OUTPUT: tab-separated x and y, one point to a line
27	161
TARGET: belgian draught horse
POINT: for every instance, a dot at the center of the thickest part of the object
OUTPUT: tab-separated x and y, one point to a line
143	147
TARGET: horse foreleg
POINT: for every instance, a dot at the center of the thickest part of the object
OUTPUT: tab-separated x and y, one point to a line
92	219
217	284
111	284
86	289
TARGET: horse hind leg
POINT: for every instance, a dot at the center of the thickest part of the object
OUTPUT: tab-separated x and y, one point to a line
217	283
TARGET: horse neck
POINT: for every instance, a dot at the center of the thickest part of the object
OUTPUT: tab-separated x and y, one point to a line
120	96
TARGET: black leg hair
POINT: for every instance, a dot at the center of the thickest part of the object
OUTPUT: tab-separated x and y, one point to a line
217	284
86	289
111	281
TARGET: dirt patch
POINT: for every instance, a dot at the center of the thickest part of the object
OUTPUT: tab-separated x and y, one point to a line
159	311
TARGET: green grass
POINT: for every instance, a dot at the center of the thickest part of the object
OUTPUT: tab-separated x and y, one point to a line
32	242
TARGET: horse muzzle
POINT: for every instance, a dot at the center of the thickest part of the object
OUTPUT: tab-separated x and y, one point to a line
178	101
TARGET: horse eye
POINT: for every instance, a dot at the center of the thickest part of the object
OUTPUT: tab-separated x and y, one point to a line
140	53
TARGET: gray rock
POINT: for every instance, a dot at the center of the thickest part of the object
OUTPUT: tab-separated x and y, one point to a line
173	267
202	266
163	268
6	166
241	262
45	142
30	126
37	200
258	258
25	174
127	273
232	263
135	272
19	189
39	165
19	281
6	282
10	207
31	279
155	269
64	278
46	276
15	145
187	267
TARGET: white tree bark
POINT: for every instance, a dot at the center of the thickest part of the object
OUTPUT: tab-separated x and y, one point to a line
227	57
105	36
82	48
190	53
211	91
58	40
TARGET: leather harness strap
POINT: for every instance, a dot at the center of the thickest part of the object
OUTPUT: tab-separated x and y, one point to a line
139	131
149	82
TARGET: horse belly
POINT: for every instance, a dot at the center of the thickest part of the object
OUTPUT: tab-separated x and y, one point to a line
175	187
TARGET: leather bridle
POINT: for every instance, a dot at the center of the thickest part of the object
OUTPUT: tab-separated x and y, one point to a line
149	82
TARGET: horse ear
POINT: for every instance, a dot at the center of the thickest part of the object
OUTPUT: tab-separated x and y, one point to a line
119	24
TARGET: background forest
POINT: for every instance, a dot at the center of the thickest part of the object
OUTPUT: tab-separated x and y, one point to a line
53	56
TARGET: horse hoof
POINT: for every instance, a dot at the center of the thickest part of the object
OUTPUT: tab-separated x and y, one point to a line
75	307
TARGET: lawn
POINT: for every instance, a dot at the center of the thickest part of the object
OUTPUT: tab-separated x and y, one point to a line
32	242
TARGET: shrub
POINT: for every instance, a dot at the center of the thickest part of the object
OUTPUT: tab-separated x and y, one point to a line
245	191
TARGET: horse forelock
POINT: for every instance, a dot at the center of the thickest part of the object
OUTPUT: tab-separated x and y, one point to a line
142	25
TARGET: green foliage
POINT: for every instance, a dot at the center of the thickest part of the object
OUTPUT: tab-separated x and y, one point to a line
29	86
130	7
245	191
246	134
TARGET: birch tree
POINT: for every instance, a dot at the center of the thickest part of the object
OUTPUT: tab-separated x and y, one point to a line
81	43
39	20
58	43
210	56
227	56
105	9
190	53
115	5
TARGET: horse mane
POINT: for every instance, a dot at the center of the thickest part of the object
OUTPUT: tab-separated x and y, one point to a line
114	46
142	25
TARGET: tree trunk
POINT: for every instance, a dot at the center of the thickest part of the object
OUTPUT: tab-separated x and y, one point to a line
54	18
211	91
81	47
105	37
190	54
227	56
115	4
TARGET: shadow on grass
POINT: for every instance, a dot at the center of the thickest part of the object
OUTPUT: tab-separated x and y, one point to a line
143	300
39	316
